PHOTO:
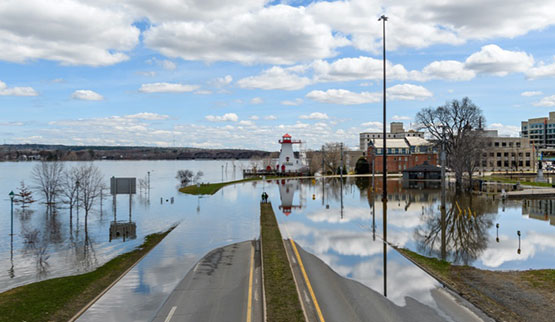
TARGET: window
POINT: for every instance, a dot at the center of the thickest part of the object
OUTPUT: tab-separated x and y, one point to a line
527	163
506	154
496	144
518	144
520	154
504	144
498	154
510	144
498	163
528	154
491	154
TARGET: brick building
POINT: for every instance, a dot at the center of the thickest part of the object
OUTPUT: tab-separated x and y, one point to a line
401	153
396	131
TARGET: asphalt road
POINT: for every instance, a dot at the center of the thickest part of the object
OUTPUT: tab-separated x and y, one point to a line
342	299
225	285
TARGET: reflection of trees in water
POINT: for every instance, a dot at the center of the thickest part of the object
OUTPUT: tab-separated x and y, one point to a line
464	229
83	254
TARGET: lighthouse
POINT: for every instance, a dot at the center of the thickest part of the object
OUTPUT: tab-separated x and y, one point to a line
288	162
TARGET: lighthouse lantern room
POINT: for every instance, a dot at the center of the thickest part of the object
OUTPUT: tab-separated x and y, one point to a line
288	162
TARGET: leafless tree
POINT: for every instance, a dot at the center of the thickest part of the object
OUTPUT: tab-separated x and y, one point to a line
70	181
454	124
47	175
332	157
89	187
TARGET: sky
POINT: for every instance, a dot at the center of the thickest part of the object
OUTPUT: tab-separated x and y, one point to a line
240	74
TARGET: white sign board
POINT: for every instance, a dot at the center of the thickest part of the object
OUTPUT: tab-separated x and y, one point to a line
123	186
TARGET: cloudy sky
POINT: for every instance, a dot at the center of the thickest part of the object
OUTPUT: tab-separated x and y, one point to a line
212	73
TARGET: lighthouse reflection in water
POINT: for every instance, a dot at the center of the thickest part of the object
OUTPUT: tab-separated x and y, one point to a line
287	189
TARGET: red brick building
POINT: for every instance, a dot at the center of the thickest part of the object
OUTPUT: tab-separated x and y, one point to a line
401	153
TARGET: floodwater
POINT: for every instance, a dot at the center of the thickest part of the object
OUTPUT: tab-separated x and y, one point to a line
341	224
46	245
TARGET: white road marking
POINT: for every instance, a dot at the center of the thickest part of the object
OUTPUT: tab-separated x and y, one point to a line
169	317
293	259
307	299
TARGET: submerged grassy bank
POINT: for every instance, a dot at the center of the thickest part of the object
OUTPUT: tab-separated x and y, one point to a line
503	295
212	188
514	181
59	299
282	300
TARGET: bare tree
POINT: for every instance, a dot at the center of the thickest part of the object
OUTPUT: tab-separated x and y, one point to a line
47	175
70	182
454	124
332	157
89	187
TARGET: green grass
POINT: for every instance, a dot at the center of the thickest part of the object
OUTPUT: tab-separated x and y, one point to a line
212	188
438	266
513	181
541	278
59	299
282	301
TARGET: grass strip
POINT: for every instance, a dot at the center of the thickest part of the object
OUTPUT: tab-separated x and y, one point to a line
514	181
503	295
212	188
282	301
59	299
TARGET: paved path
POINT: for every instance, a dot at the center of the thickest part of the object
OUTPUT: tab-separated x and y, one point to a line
342	299
224	286
532	193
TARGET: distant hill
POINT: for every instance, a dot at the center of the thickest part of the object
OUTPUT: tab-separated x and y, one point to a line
50	152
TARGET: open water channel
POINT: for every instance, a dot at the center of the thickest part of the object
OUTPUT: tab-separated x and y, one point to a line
341	224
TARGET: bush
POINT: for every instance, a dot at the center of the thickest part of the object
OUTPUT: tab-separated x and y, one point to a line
362	166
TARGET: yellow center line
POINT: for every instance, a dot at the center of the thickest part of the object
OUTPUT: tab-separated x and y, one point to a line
249	300
308	285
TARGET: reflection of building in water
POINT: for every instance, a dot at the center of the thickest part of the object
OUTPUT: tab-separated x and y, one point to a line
287	190
123	229
540	210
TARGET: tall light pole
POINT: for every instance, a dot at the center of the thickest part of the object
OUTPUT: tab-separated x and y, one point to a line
11	201
383	19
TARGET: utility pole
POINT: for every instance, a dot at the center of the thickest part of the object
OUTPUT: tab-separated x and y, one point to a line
323	164
341	179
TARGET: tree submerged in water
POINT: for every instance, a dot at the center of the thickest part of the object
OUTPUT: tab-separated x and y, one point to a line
24	196
187	176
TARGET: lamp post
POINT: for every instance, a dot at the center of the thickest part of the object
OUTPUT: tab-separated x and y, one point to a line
383	19
11	201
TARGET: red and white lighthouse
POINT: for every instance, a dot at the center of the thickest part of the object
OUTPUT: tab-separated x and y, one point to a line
287	160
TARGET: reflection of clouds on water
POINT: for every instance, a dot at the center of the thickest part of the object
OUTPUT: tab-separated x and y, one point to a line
333	216
403	280
506	250
343	242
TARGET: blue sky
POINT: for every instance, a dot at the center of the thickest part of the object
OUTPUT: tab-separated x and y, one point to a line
242	73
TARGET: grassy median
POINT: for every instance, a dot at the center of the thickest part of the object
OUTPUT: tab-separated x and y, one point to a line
514	181
282	301
212	188
59	299
503	295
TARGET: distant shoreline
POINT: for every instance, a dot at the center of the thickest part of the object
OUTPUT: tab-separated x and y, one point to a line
44	152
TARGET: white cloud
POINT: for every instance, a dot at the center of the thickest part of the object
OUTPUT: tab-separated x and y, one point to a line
447	69
63	31
372	124
408	92
228	117
541	71
346	97
546	101
257	100
203	92
418	24
167	88
275	34
270	117
86	95
531	93
401	118
246	123
491	59
147	73
16	91
315	116
148	116
254	117
343	96
356	68
295	102
275	78
223	81
168	65
505	130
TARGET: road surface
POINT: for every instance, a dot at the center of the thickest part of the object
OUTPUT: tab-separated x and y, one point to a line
225	285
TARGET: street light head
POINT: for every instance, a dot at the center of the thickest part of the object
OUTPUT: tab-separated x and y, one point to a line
11	195
383	17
